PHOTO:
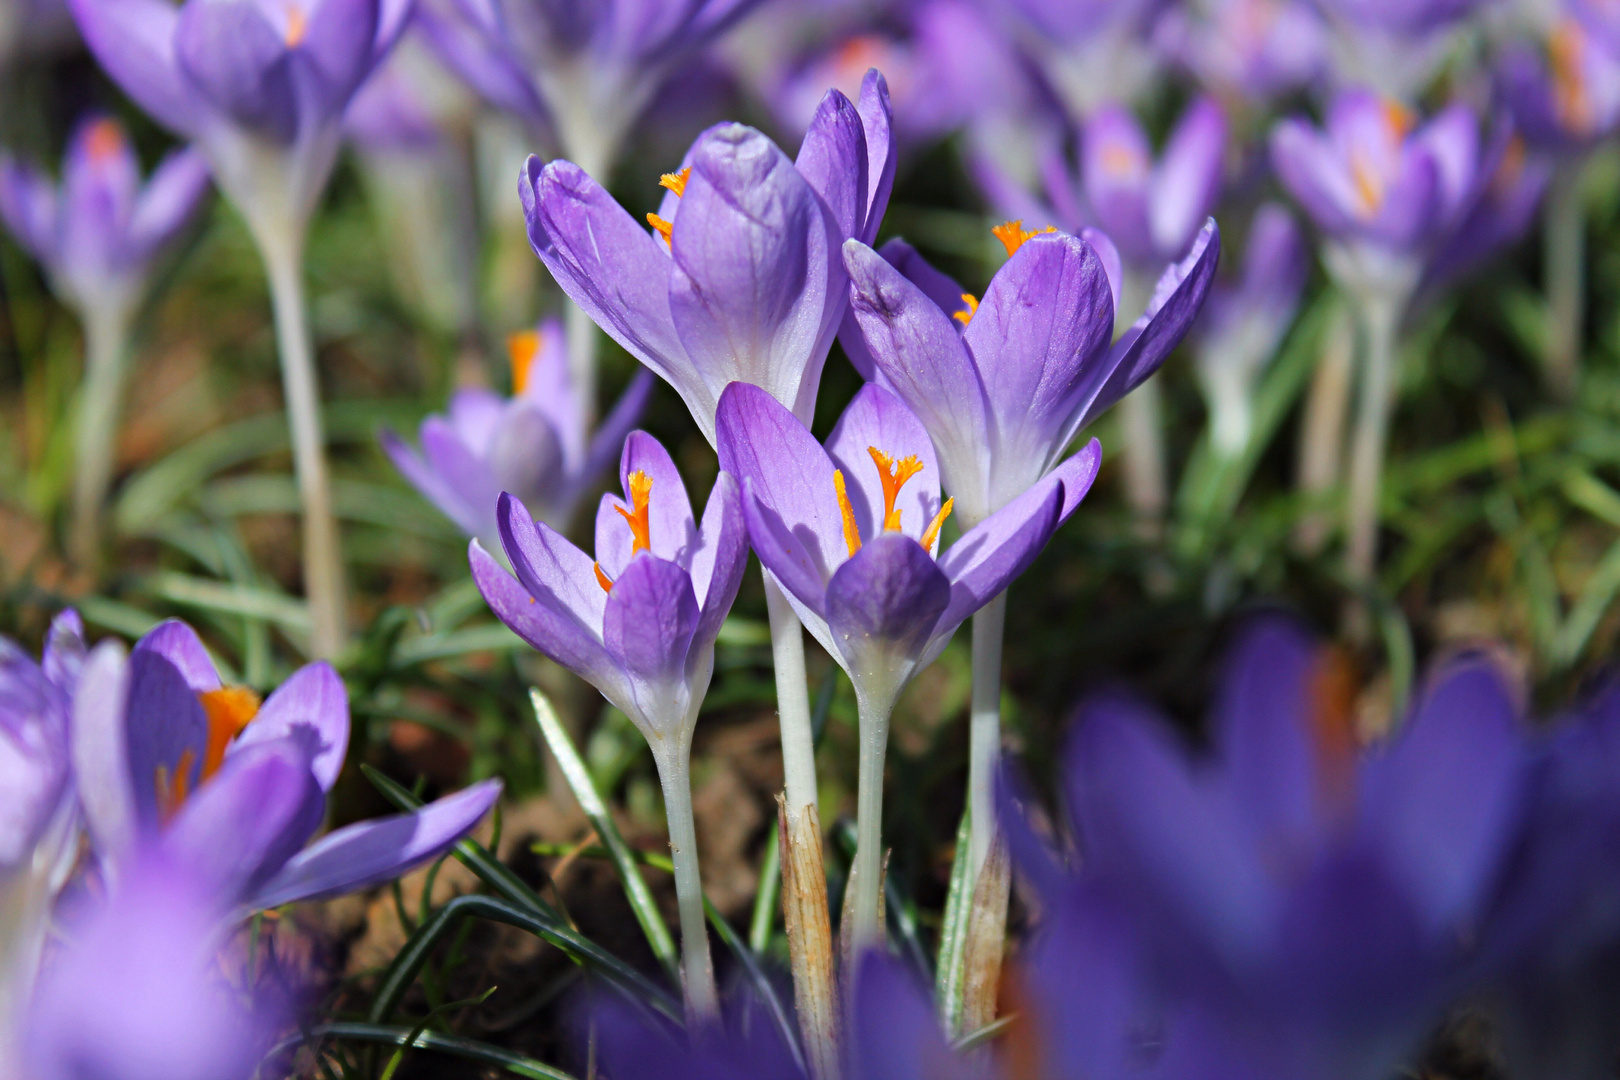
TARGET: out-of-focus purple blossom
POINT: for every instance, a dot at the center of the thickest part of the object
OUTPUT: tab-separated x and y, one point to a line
136	991
1247	50
739	278
38	814
1502	211
533	444
1564	93
1395	46
582	71
1245	323
1004	385
1313	902
851	530
169	758
100	230
1092	52
1412	18
639	622
259	85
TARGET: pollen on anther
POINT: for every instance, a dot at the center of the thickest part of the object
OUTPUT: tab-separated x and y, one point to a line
966	316
1012	234
601	578
660	226
676	181
931	534
852	532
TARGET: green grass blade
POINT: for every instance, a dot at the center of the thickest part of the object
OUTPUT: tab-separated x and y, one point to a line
590	800
454	1045
763	920
1590	607
950	968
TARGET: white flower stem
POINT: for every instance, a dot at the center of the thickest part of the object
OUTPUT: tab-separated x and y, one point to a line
1321	444
1380	318
106	341
866	875
1142	429
1564	259
792	701
697	967
323	556
984	733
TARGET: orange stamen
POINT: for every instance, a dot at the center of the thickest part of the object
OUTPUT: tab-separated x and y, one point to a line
965	317
931	534
662	227
601	579
297	25
172	792
852	534
229	709
637	516
1012	234
676	181
1368	185
1331	690
1120	160
104	140
522	349
894	475
1398	117
1570	100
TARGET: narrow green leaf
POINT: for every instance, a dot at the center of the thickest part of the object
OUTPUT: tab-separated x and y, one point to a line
590	800
455	1045
983	1035
950	969
770	891
1594	601
494	638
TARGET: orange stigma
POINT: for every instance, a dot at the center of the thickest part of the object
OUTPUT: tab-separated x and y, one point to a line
297	25
104	140
1398	118
660	226
894	475
229	709
965	317
522	349
639	520
676	181
1012	235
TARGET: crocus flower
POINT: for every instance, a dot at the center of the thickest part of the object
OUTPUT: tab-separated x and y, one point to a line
1318	901
586	71
851	531
1246	322
1564	95
532	444
167	756
137	992
1397	46
1249	50
639	624
739	278
99	234
1092	52
38	816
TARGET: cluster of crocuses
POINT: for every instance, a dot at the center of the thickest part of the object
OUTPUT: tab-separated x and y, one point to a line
150	807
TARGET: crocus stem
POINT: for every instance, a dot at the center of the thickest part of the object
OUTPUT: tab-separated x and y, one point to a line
1380	318
583	338
1564	259
984	733
697	967
1321	443
1142	428
106	342
866	875
792	700
323	557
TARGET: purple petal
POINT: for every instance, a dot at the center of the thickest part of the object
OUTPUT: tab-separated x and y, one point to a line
790	477
877	419
1452	141
468	479
371	852
1116	165
1112	265
562	588
754	296
164	723
100	741
246	822
231	55
172	195
1077	473
133	40
894	1034
922	357
1188	179
888	596
64	652
339	44
986	558
179	644
431	485
28	205
608	441
721	557
833	159
609	265
550	388
647	630
474	412
877	117
489	71
1311	172
312	709
556	633
525	456
792	554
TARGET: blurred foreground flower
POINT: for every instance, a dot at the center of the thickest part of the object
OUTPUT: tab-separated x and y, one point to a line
167	757
639	624
532	445
261	87
99	234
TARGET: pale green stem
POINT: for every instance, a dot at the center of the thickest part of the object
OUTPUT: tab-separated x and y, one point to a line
1321	444
593	147
866	875
792	701
323	555
1142	429
106	341
984	732
1380	316
1564	256
697	967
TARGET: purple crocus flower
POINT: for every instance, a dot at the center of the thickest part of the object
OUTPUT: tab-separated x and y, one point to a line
1004	385
1316	901
1564	95
1091	52
1249	50
532	444
136	992
167	756
99	231
39	814
739	277
584	72
639	624
1246	322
